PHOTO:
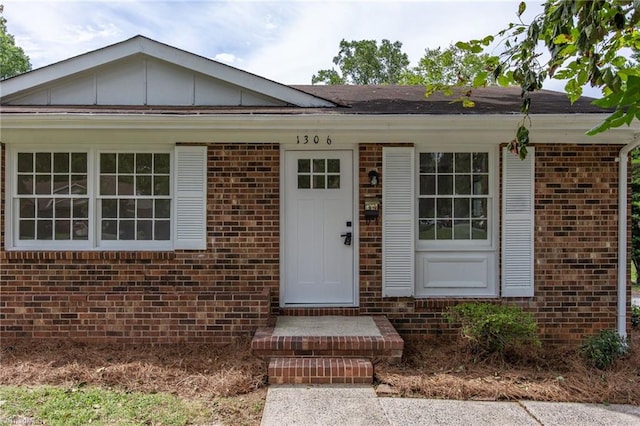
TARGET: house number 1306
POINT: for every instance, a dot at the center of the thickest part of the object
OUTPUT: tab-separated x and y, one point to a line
308	139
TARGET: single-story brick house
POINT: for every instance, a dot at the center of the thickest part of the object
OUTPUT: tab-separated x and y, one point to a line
150	194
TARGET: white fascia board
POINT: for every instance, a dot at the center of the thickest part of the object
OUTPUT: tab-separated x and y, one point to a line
143	45
359	128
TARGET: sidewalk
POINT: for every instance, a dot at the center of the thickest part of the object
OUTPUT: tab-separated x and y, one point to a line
348	405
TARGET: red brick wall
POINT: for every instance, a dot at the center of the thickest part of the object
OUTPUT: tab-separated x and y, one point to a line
575	249
229	289
214	295
576	240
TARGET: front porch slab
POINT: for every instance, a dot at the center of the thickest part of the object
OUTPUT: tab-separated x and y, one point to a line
326	326
326	349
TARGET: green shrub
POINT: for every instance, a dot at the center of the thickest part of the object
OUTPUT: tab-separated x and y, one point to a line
603	349
635	316
491	328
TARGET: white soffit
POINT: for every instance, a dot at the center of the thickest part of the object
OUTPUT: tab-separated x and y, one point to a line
142	63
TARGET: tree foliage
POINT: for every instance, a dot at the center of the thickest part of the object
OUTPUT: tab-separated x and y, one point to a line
582	42
439	69
13	60
364	62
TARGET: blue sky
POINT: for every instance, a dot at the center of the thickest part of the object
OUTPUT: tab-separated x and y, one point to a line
286	41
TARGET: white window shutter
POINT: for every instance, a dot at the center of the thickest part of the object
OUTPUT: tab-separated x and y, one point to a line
517	224
398	224
190	198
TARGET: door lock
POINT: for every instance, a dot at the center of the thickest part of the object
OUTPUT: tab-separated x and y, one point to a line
347	238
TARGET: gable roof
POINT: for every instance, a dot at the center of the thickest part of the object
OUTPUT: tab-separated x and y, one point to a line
106	77
140	76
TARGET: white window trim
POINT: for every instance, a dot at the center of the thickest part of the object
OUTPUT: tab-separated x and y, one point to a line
491	243
459	268
93	243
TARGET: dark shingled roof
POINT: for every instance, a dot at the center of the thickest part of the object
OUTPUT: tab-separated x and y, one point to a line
355	100
412	100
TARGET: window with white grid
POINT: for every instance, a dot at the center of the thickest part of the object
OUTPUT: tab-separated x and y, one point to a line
454	196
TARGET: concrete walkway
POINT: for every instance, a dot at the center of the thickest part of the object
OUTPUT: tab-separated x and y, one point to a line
351	405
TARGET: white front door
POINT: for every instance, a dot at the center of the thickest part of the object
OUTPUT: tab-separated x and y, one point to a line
318	213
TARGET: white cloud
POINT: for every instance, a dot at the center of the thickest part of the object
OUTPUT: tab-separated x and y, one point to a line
227	58
311	39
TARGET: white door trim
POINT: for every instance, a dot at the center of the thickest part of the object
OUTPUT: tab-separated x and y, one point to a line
355	223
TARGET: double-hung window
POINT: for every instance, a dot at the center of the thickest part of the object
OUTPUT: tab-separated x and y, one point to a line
455	223
134	197
52	197
84	199
454	200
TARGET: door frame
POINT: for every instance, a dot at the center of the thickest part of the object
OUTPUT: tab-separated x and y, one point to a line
355	228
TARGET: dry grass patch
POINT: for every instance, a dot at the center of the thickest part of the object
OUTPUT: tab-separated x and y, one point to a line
228	379
185	370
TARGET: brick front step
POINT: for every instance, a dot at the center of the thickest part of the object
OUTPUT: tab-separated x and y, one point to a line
387	346
320	371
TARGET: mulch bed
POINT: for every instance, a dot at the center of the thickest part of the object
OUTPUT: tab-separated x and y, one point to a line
433	370
429	369
185	370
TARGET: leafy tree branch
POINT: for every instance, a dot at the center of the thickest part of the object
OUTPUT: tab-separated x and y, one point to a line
582	42
13	60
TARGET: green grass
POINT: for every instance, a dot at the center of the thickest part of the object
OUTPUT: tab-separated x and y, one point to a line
89	405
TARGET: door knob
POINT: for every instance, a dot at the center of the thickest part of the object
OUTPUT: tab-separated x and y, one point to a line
347	238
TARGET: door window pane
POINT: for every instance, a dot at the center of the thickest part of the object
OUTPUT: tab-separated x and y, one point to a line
333	181
319	173
304	166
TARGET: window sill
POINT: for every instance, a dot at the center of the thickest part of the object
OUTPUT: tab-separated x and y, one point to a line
457	248
87	255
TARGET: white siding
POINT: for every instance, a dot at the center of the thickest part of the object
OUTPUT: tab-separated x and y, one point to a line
398	224
122	83
517	225
143	80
